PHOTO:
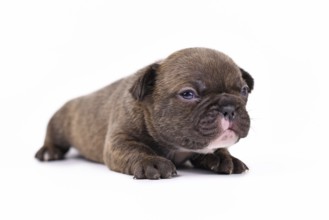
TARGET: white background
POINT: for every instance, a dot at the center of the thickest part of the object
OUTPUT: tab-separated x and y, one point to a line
52	51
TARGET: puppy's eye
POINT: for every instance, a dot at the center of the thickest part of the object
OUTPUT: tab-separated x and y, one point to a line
245	90
188	94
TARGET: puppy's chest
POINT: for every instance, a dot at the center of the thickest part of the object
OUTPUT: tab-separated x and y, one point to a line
179	157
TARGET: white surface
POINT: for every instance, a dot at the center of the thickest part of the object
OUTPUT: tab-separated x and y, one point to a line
52	51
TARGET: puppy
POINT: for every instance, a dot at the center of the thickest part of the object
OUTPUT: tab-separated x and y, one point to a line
189	106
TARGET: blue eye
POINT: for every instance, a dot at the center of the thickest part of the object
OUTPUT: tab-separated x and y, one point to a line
188	94
245	90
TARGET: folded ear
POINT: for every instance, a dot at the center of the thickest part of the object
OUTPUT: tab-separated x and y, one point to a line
144	84
248	79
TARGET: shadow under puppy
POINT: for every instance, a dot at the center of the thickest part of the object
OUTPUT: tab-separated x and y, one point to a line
190	106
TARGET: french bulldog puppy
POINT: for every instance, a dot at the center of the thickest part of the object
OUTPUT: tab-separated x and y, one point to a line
189	106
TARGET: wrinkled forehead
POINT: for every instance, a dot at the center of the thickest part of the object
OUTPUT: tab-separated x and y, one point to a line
218	73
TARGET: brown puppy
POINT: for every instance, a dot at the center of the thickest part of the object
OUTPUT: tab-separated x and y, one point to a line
190	106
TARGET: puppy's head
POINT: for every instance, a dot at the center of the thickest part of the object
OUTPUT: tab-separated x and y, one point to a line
195	100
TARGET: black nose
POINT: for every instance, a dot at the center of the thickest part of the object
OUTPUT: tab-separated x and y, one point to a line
228	111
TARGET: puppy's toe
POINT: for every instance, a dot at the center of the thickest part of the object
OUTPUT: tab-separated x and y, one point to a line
41	154
239	166
226	166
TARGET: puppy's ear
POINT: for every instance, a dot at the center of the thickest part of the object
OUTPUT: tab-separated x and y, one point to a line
248	79
145	82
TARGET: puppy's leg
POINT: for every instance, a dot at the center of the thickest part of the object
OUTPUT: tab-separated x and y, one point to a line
220	162
125	155
55	144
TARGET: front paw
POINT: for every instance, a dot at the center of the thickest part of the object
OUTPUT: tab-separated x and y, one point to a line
229	164
220	163
154	167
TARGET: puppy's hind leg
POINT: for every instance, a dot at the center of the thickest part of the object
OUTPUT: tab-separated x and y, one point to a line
55	146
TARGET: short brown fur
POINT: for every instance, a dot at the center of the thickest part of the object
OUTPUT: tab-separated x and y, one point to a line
140	125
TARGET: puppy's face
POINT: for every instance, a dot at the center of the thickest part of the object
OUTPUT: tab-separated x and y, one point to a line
195	100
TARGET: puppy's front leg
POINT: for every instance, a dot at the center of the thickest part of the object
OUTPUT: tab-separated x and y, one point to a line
220	162
124	154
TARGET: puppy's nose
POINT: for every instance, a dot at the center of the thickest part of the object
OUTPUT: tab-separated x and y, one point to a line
228	111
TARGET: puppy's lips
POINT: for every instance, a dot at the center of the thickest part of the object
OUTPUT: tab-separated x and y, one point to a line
225	124
226	138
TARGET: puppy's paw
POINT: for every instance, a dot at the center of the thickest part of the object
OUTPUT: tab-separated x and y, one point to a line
48	154
154	167
229	164
220	163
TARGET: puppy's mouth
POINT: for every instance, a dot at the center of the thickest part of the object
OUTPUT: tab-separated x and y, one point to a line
227	137
225	124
